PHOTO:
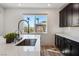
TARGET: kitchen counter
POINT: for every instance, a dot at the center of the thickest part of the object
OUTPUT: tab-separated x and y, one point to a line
13	50
74	37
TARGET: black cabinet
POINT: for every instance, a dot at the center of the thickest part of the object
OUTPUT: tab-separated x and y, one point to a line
75	21
63	45
75	48
69	16
63	18
60	43
67	49
67	46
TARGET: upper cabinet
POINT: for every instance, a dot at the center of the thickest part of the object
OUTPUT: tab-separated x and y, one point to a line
69	16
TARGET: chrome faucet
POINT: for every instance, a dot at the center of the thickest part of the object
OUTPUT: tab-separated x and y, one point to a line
19	26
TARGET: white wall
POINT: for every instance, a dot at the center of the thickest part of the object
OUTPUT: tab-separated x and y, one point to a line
1	21
12	16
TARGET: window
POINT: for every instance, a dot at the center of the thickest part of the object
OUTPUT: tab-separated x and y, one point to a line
37	23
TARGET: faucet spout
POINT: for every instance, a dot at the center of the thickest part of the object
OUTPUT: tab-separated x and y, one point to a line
19	26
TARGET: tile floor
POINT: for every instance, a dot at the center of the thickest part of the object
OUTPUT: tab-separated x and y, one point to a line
50	51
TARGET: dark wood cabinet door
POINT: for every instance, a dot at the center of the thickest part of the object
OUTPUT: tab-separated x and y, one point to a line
69	11
63	18
75	50
67	50
61	22
62	43
58	41
75	21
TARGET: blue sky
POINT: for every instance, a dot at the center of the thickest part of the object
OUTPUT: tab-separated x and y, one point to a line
32	18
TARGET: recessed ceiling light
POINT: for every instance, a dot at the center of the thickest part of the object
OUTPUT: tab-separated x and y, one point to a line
49	5
20	4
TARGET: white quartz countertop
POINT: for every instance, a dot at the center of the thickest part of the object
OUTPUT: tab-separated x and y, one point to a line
12	50
69	36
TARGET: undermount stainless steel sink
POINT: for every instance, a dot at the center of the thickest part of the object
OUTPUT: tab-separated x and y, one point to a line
27	42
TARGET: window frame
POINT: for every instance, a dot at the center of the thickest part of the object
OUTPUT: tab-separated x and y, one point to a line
39	15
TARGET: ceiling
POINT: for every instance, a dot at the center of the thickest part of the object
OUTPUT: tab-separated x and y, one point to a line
33	5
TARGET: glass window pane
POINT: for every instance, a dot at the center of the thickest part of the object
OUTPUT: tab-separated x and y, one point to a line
37	23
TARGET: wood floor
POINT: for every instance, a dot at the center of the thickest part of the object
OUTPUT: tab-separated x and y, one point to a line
50	51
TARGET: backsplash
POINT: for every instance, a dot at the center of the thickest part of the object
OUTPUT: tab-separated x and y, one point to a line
71	30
